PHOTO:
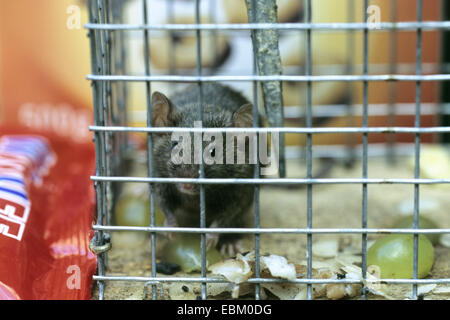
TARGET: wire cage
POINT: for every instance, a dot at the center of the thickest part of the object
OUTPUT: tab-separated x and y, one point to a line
365	122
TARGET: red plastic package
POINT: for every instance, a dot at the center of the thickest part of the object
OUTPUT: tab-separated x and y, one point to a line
47	206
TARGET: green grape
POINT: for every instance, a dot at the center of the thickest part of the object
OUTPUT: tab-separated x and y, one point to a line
394	255
185	251
424	223
134	210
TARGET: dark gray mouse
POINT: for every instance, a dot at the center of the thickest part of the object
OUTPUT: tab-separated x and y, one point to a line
225	204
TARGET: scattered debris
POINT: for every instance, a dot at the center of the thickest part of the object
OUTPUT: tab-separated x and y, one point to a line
445	240
279	267
235	270
325	249
240	269
424	289
444	289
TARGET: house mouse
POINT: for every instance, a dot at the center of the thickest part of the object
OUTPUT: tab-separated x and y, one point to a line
226	205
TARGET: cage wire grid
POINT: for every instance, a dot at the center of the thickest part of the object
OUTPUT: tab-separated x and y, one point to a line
109	78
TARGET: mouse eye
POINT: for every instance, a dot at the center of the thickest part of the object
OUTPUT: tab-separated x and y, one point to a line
174	144
212	152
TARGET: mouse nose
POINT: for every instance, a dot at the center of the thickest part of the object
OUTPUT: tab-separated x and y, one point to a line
191	172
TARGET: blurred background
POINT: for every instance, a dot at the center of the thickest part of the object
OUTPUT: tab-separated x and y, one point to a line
45	57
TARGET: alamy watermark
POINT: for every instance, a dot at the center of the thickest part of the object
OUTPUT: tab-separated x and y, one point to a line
74	280
374	17
74	19
238	148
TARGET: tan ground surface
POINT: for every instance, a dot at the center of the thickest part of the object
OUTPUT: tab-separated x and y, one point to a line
334	206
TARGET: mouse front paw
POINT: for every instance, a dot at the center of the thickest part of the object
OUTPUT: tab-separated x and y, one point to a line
230	249
212	239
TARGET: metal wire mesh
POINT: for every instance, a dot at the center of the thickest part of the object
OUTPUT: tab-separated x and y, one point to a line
109	78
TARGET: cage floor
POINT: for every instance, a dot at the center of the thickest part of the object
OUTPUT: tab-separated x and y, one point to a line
334	206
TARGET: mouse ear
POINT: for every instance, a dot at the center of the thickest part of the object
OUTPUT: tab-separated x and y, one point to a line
243	117
163	111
